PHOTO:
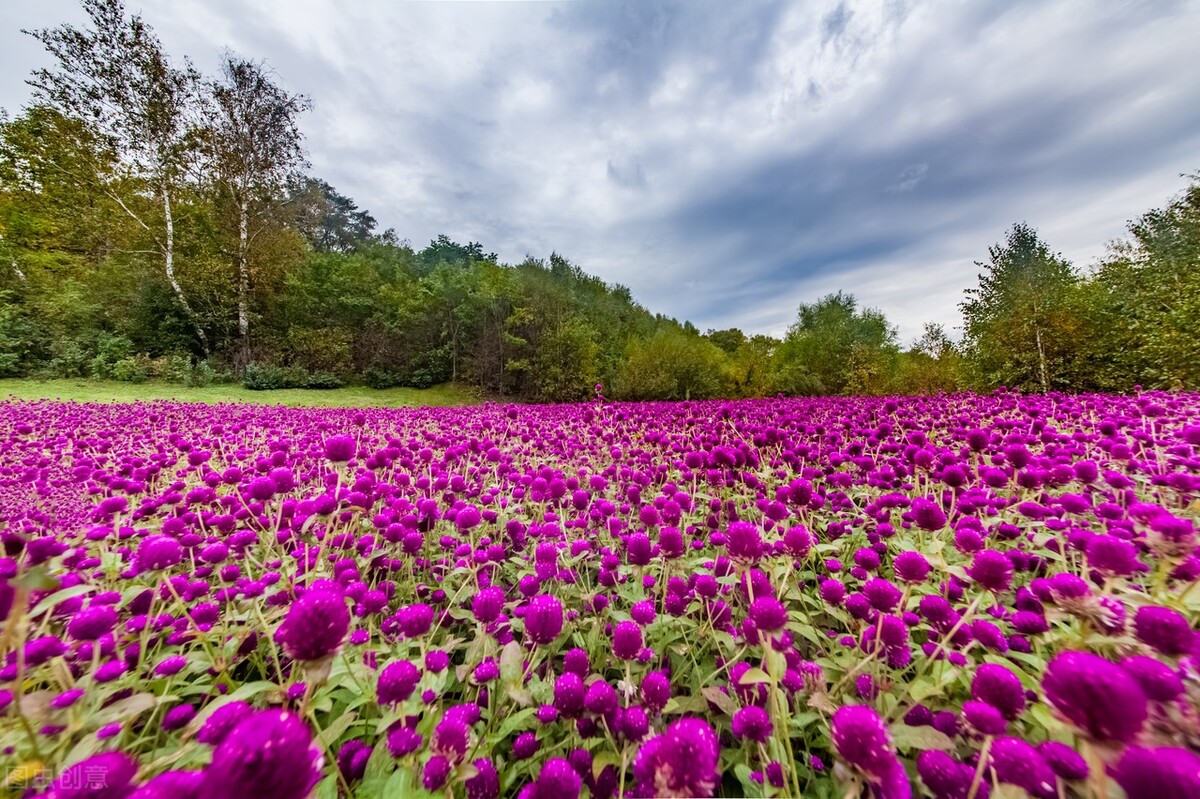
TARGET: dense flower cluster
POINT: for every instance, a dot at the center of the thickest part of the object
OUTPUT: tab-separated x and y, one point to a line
929	597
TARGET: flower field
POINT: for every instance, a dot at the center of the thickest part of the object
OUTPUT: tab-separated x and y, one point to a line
953	597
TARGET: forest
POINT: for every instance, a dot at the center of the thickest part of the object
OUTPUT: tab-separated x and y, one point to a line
161	224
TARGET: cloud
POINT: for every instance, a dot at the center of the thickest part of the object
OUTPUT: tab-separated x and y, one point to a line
727	161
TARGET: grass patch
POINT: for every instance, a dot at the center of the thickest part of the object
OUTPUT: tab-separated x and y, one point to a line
350	397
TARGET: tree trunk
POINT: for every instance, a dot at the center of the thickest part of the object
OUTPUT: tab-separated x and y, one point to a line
1037	333
169	264
243	290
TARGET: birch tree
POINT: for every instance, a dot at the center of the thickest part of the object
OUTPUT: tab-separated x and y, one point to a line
115	78
255	145
1021	328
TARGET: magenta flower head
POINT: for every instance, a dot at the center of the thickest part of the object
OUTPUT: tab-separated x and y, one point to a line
992	570
488	604
752	723
798	541
158	552
1015	762
1099	697
557	780
486	782
680	762
90	624
1111	555
1000	688
627	640
911	567
1163	773
862	741
945	777
414	620
221	721
270	755
104	776
927	514
744	543
1163	629
769	614
315	626
656	691
397	682
339	449
1160	682
543	619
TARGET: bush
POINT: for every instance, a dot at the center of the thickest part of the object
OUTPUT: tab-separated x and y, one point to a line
323	380
381	378
132	370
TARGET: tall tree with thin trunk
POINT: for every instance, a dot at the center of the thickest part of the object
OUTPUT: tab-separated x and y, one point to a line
115	77
255	145
1020	322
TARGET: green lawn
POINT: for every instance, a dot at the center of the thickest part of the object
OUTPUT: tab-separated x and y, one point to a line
352	397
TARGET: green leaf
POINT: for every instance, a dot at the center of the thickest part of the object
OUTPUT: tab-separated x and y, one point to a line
721	699
125	709
36	579
60	596
906	737
512	662
330	734
754	677
328	788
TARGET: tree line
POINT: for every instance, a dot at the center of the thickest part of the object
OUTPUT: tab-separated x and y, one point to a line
156	223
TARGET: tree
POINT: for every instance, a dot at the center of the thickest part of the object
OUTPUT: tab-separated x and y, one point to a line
329	221
834	348
1019	321
254	141
116	79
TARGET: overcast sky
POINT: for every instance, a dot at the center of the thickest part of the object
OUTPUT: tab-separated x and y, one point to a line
726	160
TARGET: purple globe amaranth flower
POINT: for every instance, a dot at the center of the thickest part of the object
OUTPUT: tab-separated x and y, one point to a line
1097	696
752	723
569	693
556	780
927	514
340	449
543	619
911	567
403	741
486	782
627	640
270	754
863	741
525	746
1164	629
436	772
983	718
396	682
92	623
414	620
1111	555
798	541
1158	773
769	614
682	762
1014	762
488	604
1066	762
352	759
744	543
992	570
172	785
158	552
1160	682
945	777
1000	688
104	776
315	626
656	691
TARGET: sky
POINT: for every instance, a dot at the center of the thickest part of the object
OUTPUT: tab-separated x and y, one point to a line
727	161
